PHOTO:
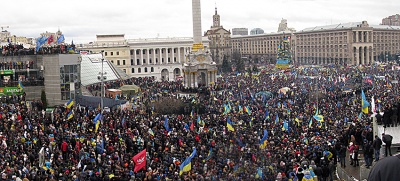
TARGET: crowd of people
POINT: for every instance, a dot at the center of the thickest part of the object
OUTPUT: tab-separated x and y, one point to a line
282	125
13	49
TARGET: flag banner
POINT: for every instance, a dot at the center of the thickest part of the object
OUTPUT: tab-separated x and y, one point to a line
140	161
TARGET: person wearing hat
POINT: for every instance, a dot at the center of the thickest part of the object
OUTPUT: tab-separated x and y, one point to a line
377	145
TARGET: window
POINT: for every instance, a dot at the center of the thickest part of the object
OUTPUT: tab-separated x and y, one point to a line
152	69
139	70
105	53
162	60
131	52
117	62
169	50
174	50
150	61
137	52
144	51
117	53
144	61
132	62
157	51
145	69
169	59
124	70
162	50
156	60
133	70
112	61
150	51
112	53
137	62
123	62
175	59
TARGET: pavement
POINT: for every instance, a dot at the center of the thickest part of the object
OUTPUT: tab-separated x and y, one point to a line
360	172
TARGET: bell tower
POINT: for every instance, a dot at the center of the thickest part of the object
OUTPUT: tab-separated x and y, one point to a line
216	19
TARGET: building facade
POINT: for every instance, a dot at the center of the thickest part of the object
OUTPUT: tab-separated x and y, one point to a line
240	31
220	40
256	31
393	20
262	47
345	44
161	58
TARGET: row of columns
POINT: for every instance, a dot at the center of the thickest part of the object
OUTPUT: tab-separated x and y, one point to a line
180	55
363	55
362	36
191	78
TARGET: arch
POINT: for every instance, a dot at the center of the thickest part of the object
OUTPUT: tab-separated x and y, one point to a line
201	79
165	74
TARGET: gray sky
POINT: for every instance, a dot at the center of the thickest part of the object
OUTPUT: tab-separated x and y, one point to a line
82	20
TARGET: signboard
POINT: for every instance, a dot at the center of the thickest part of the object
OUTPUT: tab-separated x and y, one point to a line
10	91
6	72
197	46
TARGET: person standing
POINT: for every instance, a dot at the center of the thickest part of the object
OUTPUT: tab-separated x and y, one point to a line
368	152
377	145
387	139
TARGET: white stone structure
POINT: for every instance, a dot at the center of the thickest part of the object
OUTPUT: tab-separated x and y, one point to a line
199	67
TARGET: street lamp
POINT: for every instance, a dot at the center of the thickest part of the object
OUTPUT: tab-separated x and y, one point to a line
102	78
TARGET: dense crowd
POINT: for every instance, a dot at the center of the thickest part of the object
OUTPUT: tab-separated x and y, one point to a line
299	145
19	50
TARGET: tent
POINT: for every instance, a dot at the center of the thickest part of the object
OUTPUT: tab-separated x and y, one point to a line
130	89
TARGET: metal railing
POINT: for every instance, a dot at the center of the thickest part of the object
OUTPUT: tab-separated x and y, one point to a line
343	176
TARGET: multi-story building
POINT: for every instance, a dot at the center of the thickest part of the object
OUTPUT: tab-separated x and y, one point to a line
220	40
262	47
161	58
283	26
346	44
256	31
240	31
393	20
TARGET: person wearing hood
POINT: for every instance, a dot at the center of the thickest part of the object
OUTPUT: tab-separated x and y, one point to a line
386	169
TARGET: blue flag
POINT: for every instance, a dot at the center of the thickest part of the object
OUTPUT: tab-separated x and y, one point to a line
166	125
60	39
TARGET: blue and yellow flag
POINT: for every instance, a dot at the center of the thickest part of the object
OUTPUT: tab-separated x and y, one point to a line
208	155
20	86
199	121
364	103
69	104
96	121
266	114
187	164
310	123
259	173
166	125
229	124
264	140
277	119
70	115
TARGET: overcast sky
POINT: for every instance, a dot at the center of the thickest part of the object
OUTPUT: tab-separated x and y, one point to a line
82	20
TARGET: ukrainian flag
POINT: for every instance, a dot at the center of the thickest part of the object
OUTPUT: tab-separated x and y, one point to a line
199	121
229	124
70	103
266	114
318	117
364	103
70	115
96	121
285	126
264	140
310	123
259	173
277	119
187	164
209	155
20	86
192	113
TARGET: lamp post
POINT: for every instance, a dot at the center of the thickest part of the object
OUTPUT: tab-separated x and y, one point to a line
101	77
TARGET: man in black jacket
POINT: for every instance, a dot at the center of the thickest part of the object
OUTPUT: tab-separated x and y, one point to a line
377	145
387	139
